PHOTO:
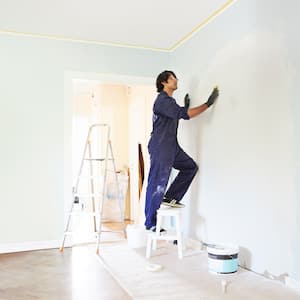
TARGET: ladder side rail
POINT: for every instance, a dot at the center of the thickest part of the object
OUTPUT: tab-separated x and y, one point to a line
117	182
92	184
82	160
103	190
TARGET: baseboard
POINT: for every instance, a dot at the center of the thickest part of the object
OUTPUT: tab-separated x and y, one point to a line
30	246
292	283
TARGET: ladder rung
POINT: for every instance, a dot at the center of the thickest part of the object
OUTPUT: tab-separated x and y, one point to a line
105	221
97	159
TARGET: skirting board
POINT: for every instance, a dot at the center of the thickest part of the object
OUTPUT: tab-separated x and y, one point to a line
292	283
30	246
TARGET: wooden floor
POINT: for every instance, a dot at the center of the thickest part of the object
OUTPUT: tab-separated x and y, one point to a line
78	274
75	274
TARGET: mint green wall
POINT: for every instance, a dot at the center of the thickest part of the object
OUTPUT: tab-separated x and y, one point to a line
247	146
32	118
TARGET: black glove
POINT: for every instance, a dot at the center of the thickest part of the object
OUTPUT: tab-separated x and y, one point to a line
213	96
187	101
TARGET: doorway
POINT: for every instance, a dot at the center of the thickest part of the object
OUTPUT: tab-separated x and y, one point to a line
127	108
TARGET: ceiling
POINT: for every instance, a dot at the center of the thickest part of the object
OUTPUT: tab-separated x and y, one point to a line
157	24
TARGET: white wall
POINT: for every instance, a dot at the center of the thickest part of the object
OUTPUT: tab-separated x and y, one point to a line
33	116
245	191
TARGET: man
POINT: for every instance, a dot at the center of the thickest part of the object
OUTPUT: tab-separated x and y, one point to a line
165	151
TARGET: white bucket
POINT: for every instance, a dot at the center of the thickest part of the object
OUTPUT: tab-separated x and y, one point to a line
136	236
223	259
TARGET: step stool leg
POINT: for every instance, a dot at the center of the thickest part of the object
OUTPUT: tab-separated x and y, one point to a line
148	249
157	232
179	236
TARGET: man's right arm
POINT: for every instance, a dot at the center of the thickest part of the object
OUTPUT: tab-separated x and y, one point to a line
195	111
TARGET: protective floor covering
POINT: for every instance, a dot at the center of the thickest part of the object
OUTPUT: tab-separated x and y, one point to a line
185	279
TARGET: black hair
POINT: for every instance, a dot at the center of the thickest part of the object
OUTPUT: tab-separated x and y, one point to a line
163	77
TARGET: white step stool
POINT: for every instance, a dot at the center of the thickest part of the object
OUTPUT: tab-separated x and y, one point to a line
153	237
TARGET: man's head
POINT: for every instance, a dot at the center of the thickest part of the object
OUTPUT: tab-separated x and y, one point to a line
166	80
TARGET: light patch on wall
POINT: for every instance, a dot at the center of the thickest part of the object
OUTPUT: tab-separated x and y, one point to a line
247	150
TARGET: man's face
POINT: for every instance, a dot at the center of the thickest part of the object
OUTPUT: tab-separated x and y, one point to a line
171	83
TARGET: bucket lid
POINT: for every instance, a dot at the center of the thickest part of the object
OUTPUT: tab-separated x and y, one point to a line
223	249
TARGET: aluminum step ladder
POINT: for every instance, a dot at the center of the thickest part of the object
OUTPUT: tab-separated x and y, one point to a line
78	198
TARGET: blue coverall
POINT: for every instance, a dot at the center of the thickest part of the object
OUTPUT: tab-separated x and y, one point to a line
166	153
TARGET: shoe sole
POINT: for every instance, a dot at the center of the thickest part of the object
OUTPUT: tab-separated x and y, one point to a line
173	205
